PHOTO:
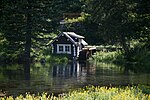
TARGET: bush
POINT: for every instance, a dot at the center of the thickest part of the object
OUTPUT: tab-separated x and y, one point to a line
56	58
90	93
114	56
140	54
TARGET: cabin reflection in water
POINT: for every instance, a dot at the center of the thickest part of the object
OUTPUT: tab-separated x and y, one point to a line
73	69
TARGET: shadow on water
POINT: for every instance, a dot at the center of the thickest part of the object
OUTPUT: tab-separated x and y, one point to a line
27	72
58	78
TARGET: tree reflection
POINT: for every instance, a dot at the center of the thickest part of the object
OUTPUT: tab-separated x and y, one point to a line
73	69
27	71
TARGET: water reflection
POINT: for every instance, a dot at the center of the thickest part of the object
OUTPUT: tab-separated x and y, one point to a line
73	69
63	77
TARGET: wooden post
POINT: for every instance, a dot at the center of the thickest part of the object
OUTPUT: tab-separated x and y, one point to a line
74	51
52	48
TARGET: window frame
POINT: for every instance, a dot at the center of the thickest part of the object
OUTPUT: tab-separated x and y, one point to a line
60	48
67	48
64	51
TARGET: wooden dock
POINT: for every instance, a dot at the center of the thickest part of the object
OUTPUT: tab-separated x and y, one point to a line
87	52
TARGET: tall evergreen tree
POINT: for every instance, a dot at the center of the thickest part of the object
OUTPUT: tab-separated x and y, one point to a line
143	21
27	24
115	20
24	21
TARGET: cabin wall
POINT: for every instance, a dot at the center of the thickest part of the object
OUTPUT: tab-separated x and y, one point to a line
63	40
75	48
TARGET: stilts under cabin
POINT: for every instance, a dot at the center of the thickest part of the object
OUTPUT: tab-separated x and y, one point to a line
73	45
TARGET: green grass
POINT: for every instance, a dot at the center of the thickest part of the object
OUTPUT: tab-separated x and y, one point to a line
48	57
56	58
137	59
90	93
109	57
140	57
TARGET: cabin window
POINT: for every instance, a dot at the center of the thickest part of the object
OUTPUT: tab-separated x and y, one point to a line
61	48
64	48
67	48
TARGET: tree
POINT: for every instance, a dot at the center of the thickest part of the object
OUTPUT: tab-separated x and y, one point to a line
143	21
115	20
24	21
27	24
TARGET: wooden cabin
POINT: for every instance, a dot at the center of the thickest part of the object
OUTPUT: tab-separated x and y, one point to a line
68	43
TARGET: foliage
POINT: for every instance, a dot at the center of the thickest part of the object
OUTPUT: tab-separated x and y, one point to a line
90	93
78	19
145	89
114	20
139	55
57	59
44	55
117	22
142	21
103	57
114	56
23	23
27	25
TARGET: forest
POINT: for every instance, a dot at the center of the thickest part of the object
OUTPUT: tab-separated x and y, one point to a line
28	26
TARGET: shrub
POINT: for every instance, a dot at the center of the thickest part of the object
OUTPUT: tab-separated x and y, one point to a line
108	56
57	58
90	93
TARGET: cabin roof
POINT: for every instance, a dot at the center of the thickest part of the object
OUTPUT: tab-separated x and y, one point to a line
69	35
72	34
83	42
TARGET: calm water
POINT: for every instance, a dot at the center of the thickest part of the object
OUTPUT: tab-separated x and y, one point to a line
58	78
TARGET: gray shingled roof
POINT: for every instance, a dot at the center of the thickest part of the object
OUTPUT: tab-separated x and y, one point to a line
84	43
72	34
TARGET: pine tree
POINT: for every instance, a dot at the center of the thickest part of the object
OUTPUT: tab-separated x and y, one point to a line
143	21
27	24
25	21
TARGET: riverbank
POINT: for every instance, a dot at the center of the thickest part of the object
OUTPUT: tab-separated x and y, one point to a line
140	58
92	93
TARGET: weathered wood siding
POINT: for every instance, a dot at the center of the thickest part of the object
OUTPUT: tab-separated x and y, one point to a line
63	40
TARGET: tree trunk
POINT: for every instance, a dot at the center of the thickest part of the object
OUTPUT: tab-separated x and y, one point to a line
28	40
27	52
124	44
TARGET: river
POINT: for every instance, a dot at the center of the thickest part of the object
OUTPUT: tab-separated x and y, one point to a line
58	78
